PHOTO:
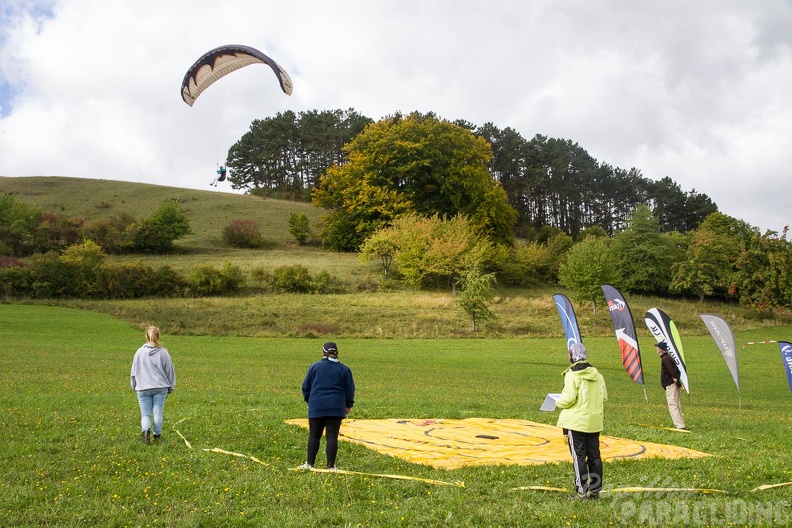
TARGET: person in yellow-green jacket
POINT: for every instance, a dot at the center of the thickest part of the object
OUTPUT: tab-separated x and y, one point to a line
582	404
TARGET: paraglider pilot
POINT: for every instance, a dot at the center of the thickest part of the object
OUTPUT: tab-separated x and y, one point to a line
221	175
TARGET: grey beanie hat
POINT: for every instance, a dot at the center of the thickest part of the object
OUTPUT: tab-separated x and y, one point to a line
577	352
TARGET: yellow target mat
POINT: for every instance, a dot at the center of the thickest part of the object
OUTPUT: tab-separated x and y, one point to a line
452	444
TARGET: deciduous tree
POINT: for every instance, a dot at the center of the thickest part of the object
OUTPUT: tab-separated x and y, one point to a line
415	163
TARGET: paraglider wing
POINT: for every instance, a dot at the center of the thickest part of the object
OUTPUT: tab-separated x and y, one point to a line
223	60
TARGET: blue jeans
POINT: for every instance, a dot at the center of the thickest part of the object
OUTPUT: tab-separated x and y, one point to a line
152	401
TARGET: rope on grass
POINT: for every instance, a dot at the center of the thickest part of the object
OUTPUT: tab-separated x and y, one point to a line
457	483
540	488
669	490
664	428
223	451
771	486
185	440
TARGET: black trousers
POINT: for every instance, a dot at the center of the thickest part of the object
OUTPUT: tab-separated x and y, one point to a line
331	425
586	460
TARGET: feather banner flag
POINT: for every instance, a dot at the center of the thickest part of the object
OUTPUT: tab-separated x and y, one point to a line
625	334
786	357
722	333
664	329
568	319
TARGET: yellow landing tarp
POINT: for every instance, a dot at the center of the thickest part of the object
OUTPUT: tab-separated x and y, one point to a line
453	444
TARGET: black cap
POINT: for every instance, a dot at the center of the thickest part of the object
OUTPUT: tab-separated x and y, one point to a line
330	348
662	345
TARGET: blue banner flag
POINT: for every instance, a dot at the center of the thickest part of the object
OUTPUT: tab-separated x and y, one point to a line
568	319
786	356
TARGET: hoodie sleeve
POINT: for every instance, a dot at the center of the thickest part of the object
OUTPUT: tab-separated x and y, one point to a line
569	394
604	388
170	371
132	381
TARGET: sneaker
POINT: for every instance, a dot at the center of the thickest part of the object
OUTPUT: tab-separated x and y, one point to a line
157	437
577	498
305	466
332	468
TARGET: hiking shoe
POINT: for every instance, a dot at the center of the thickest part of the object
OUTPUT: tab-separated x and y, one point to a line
305	466
147	437
157	437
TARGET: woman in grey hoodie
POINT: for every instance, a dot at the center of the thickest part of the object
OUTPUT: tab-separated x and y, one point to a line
153	378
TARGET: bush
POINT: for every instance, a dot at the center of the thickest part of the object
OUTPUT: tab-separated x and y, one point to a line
291	279
14	281
158	232
17	224
243	234
208	280
299	227
529	263
297	279
116	235
326	283
168	282
135	279
261	276
50	277
87	270
55	232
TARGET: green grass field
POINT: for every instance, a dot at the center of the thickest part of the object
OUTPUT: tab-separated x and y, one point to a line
72	456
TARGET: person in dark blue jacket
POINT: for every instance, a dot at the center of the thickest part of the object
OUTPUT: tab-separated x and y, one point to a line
329	390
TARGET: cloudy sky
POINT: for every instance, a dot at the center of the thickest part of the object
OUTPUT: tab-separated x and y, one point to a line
697	90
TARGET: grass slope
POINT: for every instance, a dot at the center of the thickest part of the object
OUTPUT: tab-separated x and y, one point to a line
72	457
209	211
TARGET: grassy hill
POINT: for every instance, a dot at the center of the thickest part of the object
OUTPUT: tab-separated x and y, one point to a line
209	211
365	314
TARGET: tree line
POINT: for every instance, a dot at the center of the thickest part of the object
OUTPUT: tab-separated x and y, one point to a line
547	181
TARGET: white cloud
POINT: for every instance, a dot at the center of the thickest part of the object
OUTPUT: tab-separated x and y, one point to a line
697	91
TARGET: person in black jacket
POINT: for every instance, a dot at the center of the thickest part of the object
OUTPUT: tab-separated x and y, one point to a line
669	379
329	391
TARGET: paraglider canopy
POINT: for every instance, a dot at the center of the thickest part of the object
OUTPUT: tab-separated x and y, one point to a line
223	60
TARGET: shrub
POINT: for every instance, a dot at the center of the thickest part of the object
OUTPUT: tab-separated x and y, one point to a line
323	282
291	279
168	282
208	280
14	281
116	235
132	280
299	227
166	225
50	276
88	272
243	234
17	223
55	232
261	276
